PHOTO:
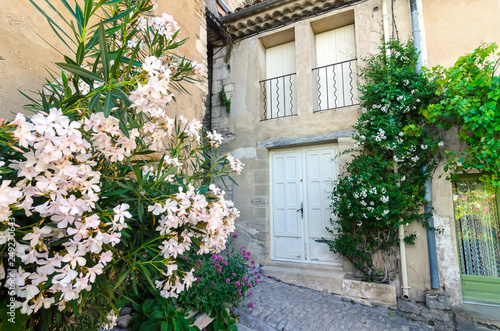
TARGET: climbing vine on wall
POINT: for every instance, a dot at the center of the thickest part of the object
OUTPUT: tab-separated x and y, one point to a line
470	93
384	183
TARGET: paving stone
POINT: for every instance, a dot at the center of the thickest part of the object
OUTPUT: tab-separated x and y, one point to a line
281	306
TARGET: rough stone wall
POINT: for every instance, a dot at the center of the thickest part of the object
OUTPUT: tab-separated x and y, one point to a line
24	56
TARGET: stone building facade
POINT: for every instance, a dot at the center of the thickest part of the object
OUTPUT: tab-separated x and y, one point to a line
276	47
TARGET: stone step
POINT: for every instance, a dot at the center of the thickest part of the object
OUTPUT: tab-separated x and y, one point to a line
317	277
477	316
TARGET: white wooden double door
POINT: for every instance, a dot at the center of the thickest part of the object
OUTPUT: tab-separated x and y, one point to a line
301	184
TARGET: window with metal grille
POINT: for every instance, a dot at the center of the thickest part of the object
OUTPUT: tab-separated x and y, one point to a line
279	87
336	71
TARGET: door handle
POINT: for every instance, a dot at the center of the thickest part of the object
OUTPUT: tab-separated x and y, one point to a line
301	210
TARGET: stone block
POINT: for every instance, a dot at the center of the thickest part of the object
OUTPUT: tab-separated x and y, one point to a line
444	326
261	190
228	87
221	73
409	307
202	321
437	301
245	152
125	311
219	63
371	291
216	87
262	154
414	317
261	177
259	202
260	213
124	321
436	315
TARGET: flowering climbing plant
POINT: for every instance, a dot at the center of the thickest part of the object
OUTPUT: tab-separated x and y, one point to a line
383	186
102	193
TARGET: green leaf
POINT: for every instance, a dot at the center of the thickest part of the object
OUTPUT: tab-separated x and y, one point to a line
122	278
80	53
131	61
116	65
55	27
87	11
93	101
122	124
77	70
147	275
112	2
79	18
117	17
103	46
108	104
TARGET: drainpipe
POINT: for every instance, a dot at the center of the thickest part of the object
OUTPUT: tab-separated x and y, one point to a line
415	7
385	21
402	247
405	287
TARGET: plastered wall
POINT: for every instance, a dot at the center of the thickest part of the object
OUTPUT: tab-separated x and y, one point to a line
24	56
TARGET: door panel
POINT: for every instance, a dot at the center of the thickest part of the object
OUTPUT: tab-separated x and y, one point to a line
319	177
286	194
302	178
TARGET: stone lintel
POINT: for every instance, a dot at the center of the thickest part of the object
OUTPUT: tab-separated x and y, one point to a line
306	140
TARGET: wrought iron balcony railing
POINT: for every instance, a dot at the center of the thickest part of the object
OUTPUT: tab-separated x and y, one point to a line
336	85
278	95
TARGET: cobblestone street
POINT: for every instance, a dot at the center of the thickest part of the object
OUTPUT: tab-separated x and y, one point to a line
280	306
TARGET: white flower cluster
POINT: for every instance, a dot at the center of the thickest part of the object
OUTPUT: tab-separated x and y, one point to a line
214	220
214	138
380	135
59	173
235	164
163	25
367	199
111	318
155	94
108	138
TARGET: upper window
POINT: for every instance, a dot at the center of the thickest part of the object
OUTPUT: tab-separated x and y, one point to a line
335	71
280	84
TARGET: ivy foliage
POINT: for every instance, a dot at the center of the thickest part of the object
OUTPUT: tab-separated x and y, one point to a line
384	183
470	93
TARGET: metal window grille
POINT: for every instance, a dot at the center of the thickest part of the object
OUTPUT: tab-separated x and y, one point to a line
336	85
279	96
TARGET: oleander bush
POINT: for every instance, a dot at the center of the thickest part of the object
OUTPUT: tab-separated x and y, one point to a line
103	195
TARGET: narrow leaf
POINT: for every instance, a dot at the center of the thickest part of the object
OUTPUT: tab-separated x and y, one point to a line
80	53
114	68
79	71
93	101
131	61
108	104
79	18
104	51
